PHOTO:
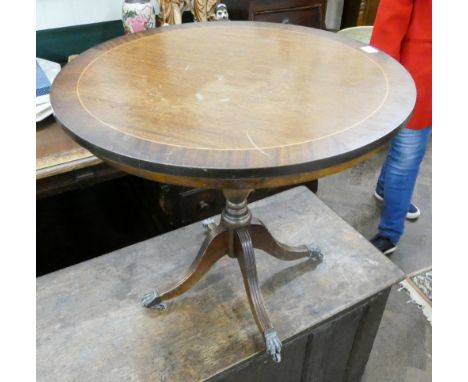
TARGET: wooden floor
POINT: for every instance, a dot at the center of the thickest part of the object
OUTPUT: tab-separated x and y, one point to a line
402	350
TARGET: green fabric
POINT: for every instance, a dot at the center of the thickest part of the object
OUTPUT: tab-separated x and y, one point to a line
59	43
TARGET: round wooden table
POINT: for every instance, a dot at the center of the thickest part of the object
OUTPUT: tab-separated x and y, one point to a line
237	106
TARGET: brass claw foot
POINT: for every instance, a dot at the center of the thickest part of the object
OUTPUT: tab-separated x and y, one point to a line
314	252
273	345
151	299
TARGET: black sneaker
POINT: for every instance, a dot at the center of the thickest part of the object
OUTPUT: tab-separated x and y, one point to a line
383	244
413	211
378	196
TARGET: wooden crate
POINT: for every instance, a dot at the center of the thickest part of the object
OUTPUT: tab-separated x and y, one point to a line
91	327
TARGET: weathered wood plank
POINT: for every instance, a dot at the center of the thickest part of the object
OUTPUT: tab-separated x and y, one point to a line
328	348
263	369
365	335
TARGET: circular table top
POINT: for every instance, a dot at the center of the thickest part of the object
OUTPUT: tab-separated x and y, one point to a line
362	33
232	104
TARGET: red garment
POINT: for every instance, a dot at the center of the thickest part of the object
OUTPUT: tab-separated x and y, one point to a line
403	29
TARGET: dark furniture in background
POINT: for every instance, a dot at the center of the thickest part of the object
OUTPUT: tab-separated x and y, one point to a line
99	215
84	207
309	13
358	13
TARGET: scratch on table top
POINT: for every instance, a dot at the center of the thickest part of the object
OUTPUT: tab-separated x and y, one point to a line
256	147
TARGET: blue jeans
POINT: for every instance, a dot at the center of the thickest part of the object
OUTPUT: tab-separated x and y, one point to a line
398	177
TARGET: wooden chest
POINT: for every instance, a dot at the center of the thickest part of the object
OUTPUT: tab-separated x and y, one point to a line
91	327
308	13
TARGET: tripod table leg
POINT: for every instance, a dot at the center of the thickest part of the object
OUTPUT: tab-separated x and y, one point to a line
264	240
246	259
212	249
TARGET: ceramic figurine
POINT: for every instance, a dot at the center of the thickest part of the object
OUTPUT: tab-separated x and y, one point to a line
171	11
204	10
138	15
221	12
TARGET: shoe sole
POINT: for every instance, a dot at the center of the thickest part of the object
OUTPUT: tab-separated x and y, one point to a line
390	251
409	215
413	215
378	197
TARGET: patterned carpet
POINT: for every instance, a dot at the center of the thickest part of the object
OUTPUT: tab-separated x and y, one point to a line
423	281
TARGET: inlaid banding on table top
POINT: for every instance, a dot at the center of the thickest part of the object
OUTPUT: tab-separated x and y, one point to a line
242	104
158	94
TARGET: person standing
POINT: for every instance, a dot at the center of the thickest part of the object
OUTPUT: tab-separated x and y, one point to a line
403	29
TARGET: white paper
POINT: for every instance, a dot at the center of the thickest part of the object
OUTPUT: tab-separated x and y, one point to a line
369	49
43	112
43	106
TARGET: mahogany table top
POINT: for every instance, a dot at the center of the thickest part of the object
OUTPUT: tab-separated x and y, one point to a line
233	104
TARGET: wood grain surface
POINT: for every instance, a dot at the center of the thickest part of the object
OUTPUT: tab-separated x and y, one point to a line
57	153
234	100
91	326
